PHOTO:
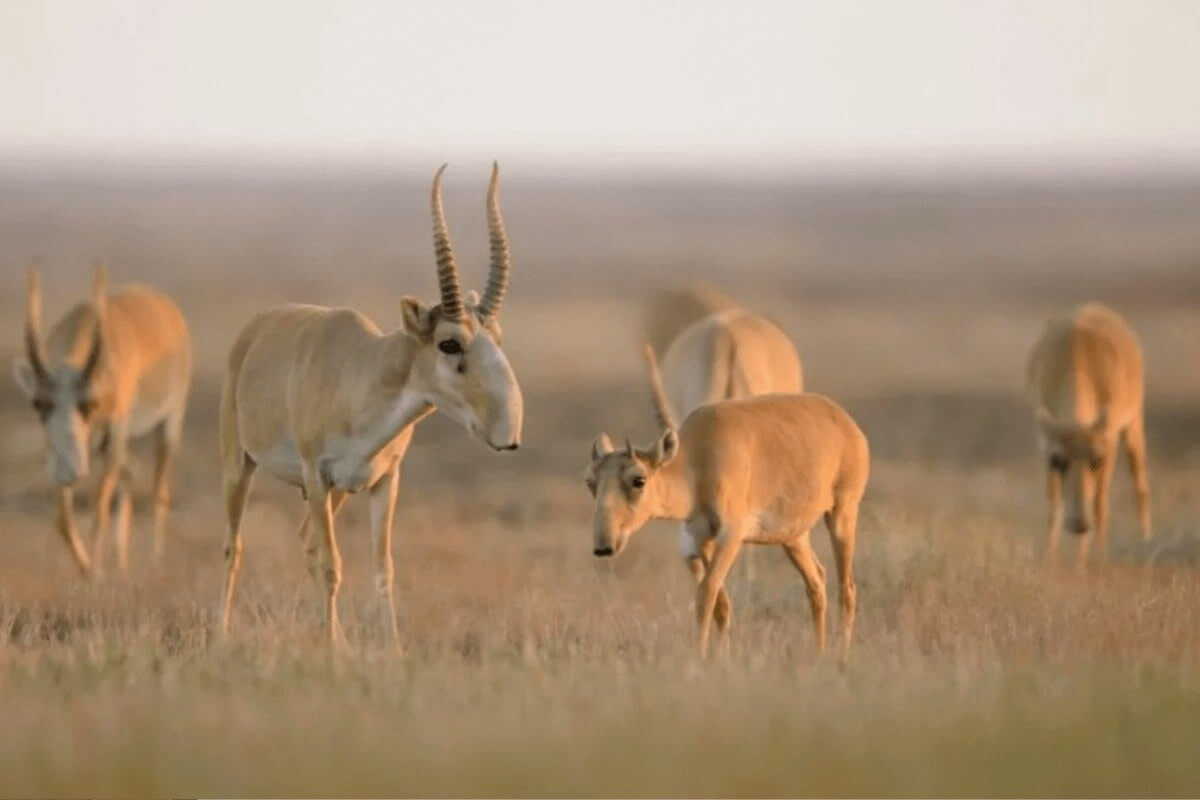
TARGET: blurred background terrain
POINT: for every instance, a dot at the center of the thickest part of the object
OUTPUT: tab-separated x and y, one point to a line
913	303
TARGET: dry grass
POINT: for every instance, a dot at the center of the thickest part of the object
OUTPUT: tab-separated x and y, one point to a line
532	668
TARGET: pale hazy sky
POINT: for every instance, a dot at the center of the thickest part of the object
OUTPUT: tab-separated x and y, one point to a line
618	76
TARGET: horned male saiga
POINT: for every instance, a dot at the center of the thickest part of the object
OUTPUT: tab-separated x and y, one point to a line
323	400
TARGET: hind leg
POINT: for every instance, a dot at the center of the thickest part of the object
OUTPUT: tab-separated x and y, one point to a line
236	488
841	522
166	444
805	560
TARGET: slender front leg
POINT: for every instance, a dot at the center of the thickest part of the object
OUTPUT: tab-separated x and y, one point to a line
166	445
66	528
118	441
124	519
1054	482
383	512
1135	448
723	610
238	475
1103	485
804	559
728	543
312	544
320	514
696	542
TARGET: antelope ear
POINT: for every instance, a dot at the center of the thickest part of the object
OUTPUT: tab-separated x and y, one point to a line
415	317
665	449
601	447
23	373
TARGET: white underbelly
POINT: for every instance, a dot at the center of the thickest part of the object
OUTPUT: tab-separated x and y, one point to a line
281	460
142	420
341	465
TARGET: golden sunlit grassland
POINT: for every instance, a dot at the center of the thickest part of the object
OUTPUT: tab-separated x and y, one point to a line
534	669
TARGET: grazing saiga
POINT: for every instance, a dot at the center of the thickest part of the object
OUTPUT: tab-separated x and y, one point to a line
114	369
725	356
323	400
1087	388
759	470
670	310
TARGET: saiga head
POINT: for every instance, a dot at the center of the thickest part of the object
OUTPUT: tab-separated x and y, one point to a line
1078	453
625	483
64	394
461	360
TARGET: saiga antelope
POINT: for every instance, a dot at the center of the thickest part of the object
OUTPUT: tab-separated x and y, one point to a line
116	368
671	310
1086	384
725	356
323	400
759	470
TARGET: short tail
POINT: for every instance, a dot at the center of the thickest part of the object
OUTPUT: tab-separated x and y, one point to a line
662	407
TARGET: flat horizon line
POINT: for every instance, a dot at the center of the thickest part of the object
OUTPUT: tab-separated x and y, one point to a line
680	163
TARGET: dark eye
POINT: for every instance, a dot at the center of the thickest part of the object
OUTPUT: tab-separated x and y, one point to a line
1095	462
638	482
1058	463
43	407
450	347
86	407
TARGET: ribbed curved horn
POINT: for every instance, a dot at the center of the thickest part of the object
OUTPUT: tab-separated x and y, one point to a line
100	309
93	356
446	268
33	325
662	406
601	447
501	258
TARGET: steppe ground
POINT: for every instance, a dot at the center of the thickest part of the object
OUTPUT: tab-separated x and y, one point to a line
533	668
